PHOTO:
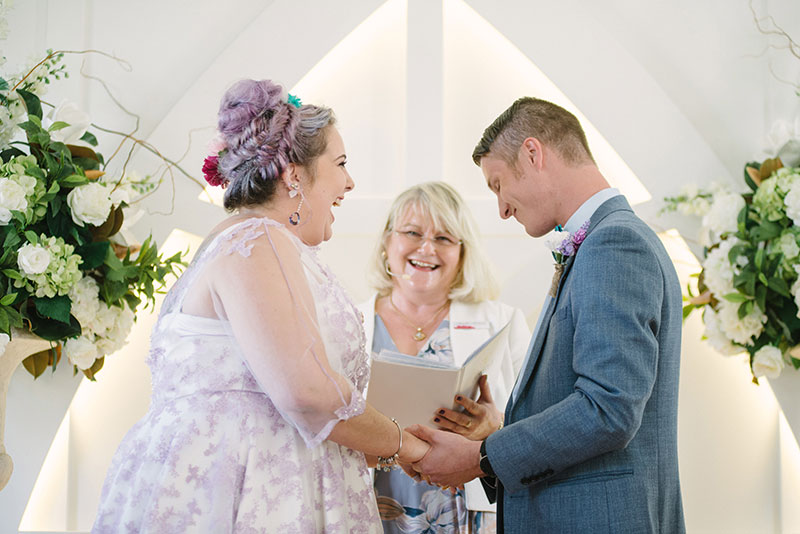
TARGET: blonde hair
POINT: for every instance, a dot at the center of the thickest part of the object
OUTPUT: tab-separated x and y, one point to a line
438	201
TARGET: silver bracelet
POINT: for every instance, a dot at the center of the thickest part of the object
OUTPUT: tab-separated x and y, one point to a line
389	463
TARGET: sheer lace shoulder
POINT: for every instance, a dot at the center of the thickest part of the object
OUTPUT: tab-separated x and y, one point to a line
239	237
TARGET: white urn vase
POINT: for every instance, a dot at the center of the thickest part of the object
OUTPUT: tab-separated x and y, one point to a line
21	346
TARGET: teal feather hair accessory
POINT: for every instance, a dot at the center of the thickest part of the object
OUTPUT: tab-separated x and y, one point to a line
294	100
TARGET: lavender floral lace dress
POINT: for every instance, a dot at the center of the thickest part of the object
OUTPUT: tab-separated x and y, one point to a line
223	449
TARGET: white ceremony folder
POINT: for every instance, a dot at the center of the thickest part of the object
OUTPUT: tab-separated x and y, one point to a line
411	389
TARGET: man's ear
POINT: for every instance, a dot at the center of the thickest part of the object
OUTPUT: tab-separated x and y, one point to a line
532	153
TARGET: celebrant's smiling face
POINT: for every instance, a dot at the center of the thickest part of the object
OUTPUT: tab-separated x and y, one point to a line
422	257
331	183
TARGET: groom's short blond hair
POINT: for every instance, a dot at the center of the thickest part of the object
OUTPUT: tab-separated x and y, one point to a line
552	125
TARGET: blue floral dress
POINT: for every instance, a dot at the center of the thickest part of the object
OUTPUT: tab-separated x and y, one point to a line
410	507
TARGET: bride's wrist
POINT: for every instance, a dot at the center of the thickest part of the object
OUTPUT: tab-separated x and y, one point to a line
387	463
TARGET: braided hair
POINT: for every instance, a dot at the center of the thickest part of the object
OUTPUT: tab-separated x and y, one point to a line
264	134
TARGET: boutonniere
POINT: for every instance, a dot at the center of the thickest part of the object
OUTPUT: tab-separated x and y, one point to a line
563	246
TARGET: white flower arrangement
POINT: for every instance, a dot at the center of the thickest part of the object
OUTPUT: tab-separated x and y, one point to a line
65	274
749	289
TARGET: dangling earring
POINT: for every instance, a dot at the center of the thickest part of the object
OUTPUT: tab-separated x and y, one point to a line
294	218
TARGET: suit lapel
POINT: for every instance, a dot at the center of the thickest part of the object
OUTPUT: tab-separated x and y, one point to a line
541	335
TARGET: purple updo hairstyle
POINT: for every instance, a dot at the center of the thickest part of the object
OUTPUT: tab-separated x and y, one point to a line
263	134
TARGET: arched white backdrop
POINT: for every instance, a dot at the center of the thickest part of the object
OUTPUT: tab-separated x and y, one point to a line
671	93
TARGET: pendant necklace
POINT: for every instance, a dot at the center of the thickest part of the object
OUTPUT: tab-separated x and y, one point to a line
419	335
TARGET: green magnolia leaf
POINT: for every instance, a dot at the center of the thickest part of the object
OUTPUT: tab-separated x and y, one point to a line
89	138
796	363
747	178
5	327
36	364
53	330
9	299
3	85
32	103
58	125
11	152
57	308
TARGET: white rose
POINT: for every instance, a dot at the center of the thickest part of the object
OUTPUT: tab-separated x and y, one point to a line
5	216
768	361
78	123
81	352
12	195
4	339
724	212
33	259
89	203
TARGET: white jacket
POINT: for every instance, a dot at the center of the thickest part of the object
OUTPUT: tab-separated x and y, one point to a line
470	326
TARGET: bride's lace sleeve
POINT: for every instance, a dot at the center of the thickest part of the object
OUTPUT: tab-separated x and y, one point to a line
261	290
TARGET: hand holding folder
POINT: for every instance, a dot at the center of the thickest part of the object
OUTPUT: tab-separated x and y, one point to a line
411	389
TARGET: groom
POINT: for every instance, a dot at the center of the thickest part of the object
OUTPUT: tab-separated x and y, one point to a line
590	439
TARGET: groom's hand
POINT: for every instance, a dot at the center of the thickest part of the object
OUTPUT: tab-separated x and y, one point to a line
452	459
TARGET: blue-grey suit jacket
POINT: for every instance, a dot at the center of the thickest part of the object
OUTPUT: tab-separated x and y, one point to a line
590	444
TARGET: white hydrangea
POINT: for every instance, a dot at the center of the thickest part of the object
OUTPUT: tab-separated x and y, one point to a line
722	217
741	331
718	272
12	195
81	352
85	298
90	203
5	216
768	362
116	333
714	335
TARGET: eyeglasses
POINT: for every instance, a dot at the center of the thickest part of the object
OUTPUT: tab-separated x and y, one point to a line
440	241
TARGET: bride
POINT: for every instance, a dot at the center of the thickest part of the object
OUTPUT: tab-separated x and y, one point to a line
257	420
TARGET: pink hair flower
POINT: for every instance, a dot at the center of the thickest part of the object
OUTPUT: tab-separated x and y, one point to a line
211	172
